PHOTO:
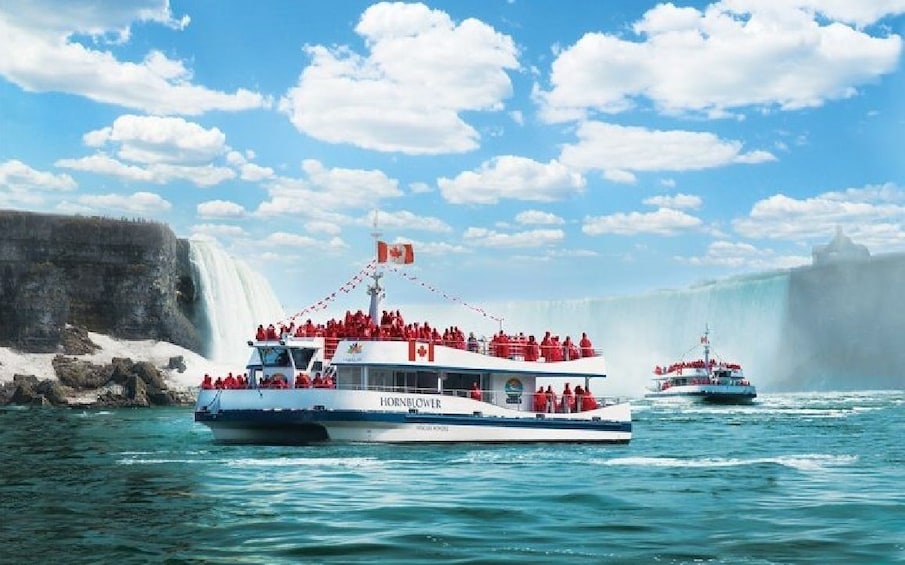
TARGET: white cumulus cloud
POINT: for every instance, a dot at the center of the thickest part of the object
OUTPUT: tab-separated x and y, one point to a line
532	238
873	215
137	202
664	221
40	55
730	55
619	150
512	177
407	94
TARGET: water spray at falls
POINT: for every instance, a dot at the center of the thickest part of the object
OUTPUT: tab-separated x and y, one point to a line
236	299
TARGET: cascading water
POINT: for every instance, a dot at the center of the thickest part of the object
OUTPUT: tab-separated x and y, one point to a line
236	299
745	316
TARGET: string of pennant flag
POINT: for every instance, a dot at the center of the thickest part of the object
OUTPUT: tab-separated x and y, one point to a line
364	274
439	292
345	288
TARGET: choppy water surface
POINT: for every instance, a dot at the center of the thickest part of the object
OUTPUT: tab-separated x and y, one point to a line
814	478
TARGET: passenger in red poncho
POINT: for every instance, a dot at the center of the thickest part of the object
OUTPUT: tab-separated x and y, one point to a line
540	400
567	399
587	350
475	392
551	399
589	402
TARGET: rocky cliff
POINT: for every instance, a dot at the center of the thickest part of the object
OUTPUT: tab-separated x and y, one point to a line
125	278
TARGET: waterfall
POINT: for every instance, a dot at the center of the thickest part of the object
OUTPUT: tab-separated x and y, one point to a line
745	316
236	299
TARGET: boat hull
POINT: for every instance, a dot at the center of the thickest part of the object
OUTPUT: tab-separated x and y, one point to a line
708	394
302	417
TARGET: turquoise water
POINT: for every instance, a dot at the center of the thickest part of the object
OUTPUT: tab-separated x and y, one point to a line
796	478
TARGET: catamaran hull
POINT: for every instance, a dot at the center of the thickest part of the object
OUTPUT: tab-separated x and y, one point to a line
709	394
304	427
302	417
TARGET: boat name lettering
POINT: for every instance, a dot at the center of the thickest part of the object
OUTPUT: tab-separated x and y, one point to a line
402	402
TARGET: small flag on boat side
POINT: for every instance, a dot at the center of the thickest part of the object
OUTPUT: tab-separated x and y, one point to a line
419	350
401	253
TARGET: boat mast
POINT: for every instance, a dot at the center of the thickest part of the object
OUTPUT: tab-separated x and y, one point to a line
706	341
375	290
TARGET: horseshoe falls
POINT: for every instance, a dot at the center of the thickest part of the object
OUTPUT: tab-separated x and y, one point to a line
637	332
236	299
837	326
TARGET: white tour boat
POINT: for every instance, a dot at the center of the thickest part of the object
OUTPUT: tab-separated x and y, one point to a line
407	390
706	380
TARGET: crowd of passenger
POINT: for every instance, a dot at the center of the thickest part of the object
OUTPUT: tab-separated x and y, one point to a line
392	326
578	400
276	381
544	400
697	364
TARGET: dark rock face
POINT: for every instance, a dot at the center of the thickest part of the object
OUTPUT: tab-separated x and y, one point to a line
75	341
27	390
80	375
122	383
128	279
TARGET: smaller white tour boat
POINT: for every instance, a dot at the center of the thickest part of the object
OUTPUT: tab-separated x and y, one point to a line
705	379
312	386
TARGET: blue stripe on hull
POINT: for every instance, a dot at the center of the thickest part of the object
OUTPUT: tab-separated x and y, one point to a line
710	397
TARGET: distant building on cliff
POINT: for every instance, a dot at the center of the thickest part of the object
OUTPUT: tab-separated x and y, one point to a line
841	248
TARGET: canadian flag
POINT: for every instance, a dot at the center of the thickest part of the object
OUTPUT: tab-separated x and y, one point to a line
401	253
419	350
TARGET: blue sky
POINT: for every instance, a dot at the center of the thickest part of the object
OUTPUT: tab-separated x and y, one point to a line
528	149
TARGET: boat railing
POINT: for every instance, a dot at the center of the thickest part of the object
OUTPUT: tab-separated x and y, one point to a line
518	351
495	397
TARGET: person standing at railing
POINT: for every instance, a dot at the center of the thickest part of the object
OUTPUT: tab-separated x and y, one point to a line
475	392
532	349
588	402
587	349
555	349
546	348
551	400
567	399
472	342
570	350
540	400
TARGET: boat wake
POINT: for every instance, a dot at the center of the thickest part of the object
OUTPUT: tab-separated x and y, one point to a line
804	462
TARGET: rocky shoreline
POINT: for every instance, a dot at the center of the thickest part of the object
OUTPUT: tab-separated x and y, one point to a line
121	383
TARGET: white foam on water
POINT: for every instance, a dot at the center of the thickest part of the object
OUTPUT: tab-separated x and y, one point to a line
805	462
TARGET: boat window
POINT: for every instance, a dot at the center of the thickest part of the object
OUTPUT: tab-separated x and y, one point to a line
380	379
348	378
416	381
274	356
459	383
254	375
301	356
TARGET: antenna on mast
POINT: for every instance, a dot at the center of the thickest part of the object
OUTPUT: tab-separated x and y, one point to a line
375	290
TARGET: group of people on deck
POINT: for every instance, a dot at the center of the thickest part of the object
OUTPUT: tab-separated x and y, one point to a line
698	364
277	381
392	326
550	349
229	382
359	325
578	400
